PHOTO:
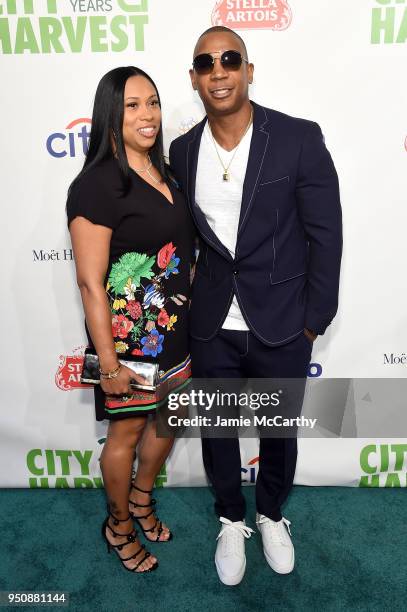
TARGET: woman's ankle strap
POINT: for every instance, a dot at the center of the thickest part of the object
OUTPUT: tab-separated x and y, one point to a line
116	520
141	490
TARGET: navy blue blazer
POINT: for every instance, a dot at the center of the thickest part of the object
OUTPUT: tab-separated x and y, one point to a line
285	273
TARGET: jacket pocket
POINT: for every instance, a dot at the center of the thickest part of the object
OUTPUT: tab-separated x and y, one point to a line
278	181
275	279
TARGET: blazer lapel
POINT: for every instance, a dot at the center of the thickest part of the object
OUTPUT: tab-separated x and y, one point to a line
200	220
192	160
258	147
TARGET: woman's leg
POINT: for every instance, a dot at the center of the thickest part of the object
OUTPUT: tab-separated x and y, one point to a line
151	452
116	463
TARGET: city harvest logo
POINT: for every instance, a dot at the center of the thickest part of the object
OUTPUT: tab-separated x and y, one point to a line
55	468
161	478
68	376
72	26
384	465
252	14
73	141
389	22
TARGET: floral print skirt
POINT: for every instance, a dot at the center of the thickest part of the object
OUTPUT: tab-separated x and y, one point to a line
148	297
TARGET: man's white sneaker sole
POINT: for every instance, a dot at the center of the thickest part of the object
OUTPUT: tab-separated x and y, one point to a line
280	569
231	580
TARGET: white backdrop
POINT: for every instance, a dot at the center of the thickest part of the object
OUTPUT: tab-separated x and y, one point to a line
340	63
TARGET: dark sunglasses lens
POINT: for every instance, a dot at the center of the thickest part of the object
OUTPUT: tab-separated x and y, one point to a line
231	59
203	63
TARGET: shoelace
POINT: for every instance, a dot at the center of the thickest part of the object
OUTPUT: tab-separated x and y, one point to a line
231	530
276	527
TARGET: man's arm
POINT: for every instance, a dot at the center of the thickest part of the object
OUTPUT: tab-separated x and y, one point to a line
320	210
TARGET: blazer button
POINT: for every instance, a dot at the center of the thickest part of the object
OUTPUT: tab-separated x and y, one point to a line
235	272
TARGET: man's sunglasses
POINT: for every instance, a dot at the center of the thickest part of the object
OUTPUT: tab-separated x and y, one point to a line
230	60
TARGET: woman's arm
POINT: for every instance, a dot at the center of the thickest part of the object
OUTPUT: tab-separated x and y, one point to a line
91	245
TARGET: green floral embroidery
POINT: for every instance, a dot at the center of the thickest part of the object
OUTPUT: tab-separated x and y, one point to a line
139	311
130	266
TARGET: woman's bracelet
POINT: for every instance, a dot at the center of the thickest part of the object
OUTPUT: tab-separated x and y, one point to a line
112	374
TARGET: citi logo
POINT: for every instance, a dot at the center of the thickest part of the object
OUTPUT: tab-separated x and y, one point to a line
314	370
74	141
249	473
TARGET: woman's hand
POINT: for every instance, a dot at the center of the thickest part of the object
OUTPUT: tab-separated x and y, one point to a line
121	384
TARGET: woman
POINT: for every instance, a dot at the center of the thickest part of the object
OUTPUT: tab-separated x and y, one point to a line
132	239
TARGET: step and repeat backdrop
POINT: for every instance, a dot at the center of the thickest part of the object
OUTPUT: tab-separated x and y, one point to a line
340	63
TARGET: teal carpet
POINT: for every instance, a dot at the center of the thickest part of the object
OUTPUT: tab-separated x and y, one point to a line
351	550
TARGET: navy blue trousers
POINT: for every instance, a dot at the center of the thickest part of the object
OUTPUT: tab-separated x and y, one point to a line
239	354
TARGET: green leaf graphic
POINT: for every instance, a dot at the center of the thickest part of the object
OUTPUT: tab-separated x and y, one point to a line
130	265
137	329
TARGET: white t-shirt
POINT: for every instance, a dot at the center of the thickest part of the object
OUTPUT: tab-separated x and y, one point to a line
220	200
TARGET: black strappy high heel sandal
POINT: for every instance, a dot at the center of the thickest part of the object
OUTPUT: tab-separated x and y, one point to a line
131	538
152	512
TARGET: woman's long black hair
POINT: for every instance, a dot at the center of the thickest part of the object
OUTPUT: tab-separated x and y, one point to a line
107	120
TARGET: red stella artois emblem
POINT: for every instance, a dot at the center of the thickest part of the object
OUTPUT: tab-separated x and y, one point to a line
69	371
251	14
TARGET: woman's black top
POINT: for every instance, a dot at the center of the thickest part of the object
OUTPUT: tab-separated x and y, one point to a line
148	277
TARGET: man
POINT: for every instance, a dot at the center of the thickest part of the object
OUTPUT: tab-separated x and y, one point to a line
264	195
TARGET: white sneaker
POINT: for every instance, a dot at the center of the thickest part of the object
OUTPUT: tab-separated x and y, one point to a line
277	546
230	558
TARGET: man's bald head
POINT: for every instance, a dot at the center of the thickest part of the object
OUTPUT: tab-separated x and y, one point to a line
215	30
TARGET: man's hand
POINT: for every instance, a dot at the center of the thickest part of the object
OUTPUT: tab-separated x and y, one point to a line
310	334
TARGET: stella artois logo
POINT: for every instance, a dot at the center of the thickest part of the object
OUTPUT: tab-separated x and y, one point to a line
68	376
250	14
